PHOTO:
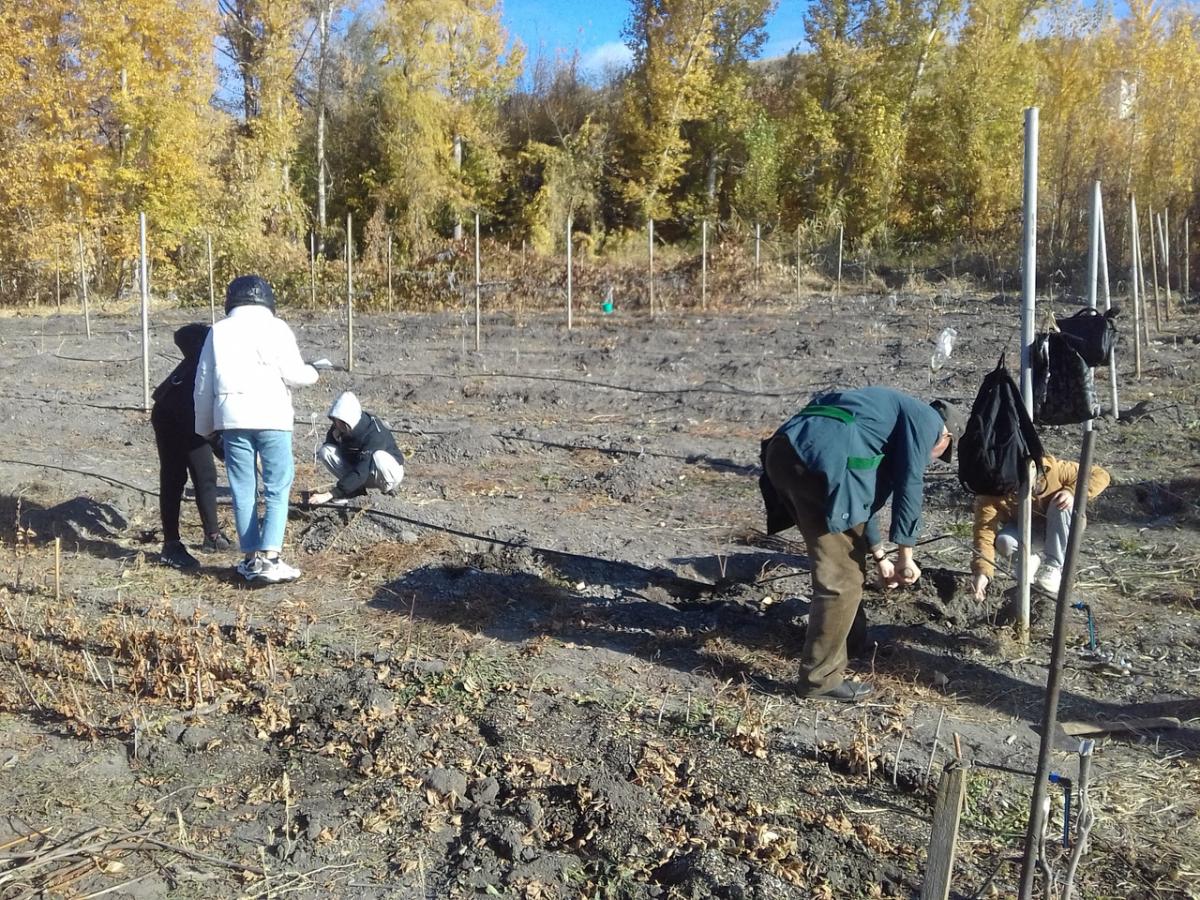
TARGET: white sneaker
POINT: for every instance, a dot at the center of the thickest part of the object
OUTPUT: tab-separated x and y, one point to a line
1035	563
273	571
1050	579
249	568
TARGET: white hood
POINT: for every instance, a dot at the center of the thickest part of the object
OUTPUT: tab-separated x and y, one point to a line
347	408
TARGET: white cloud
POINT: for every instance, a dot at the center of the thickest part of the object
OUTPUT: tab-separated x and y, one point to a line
599	60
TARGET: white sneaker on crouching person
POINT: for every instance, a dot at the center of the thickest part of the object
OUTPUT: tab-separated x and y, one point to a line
1035	563
1050	579
273	570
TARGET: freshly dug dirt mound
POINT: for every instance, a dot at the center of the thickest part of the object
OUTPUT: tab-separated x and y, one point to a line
472	442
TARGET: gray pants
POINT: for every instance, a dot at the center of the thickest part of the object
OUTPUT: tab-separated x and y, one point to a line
386	470
1052	531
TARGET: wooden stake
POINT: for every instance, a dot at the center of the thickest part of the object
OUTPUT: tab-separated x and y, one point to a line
389	268
1133	287
58	281
1104	282
349	294
87	315
569	322
1187	261
704	264
212	290
144	277
312	267
57	569
943	838
797	262
477	274
1164	233
1154	272
650	238
841	236
757	251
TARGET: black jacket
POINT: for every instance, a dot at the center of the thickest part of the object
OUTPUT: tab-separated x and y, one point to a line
357	448
174	409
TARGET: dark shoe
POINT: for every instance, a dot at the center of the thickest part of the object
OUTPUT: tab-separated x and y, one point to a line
175	555
847	692
215	542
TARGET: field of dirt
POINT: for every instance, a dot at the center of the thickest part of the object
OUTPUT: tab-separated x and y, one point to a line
561	661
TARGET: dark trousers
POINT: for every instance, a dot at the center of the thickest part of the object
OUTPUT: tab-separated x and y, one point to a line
180	455
838	566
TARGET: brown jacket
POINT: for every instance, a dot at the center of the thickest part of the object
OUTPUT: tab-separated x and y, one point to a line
993	513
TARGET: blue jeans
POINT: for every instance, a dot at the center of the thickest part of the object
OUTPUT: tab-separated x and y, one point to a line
245	450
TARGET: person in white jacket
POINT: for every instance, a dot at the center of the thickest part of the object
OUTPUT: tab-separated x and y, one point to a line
249	364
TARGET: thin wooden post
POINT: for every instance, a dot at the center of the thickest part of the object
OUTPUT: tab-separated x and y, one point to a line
1164	232
757	252
1028	304
841	238
212	289
145	279
569	298
1134	287
1112	362
389	268
87	315
650	239
312	268
704	264
477	274
57	569
797	262
58	281
1187	262
1154	271
349	293
943	837
1142	292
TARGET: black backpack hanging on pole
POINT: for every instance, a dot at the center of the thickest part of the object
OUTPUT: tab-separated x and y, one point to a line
999	438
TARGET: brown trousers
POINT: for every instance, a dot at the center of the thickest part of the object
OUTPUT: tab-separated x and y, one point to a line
838	567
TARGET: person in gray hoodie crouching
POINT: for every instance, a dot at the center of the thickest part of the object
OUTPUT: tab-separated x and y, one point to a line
359	451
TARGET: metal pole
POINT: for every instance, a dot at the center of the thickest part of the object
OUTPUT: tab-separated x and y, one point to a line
1054	678
1187	262
389	265
477	271
145	279
349	293
1028	304
1112	362
650	234
569	322
212	291
704	264
87	315
1134	286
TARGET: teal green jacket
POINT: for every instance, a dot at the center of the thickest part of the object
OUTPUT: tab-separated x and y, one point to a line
871	444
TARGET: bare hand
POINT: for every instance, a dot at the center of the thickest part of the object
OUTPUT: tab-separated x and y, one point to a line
886	570
979	586
1063	499
319	498
909	574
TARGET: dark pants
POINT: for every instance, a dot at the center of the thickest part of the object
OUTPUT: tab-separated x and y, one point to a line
178	456
838	566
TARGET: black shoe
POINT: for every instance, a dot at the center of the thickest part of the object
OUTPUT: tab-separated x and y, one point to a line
175	555
215	542
847	692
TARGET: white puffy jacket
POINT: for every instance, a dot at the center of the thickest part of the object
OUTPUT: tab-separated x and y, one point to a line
247	369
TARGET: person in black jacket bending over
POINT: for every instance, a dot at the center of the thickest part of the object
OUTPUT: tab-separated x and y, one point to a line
359	451
182	452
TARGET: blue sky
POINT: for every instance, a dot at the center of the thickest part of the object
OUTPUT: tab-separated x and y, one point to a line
593	28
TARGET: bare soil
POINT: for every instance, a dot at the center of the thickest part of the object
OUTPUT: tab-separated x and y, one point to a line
561	661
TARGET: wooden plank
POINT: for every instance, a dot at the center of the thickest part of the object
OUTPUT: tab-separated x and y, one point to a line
1074	729
943	838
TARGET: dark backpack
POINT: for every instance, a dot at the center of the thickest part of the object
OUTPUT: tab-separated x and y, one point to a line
999	438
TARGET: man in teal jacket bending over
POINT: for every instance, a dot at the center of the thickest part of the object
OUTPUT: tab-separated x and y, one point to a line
829	470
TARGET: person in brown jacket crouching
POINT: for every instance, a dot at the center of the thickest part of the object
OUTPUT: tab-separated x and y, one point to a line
1053	501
